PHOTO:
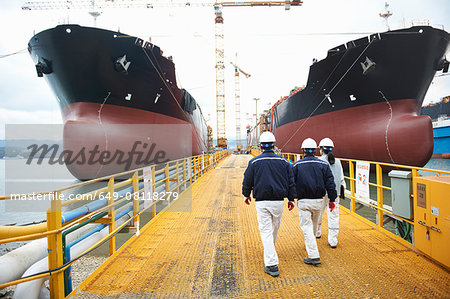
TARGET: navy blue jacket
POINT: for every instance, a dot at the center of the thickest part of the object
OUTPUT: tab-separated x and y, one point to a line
314	179
270	176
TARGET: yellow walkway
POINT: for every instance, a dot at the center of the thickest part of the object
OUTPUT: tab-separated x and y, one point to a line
215	251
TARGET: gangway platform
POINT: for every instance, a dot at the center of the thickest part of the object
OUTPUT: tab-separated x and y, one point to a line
216	251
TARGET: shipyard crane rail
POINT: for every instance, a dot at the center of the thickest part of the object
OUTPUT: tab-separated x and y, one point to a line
106	4
95	5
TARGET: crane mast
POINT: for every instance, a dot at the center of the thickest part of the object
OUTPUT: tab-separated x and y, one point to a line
237	98
220	78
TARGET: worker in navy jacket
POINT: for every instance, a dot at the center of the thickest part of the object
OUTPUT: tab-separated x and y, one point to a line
313	179
271	179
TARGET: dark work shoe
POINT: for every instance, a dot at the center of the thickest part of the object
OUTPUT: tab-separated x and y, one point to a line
272	270
310	261
333	246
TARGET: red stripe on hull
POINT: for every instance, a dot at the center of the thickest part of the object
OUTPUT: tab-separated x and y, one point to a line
381	132
94	127
441	156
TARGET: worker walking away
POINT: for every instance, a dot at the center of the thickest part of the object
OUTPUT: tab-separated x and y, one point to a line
313	179
326	146
271	179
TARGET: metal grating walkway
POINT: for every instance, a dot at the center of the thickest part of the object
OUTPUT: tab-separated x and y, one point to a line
215	251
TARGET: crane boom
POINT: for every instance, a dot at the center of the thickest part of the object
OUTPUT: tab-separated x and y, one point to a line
236	68
103	4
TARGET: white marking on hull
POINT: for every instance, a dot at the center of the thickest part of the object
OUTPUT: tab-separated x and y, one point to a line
387	126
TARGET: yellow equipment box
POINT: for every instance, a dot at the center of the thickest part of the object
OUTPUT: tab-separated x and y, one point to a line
432	217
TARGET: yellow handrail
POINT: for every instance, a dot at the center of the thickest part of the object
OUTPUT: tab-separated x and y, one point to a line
54	227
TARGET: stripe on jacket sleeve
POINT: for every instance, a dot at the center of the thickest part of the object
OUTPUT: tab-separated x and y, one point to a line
271	158
311	161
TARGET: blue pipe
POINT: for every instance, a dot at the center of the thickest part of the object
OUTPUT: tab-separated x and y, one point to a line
98	228
67	272
95	205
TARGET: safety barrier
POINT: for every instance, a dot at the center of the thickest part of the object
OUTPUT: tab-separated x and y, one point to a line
383	210
384	189
114	201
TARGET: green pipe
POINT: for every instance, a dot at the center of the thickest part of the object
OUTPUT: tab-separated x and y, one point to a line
73	228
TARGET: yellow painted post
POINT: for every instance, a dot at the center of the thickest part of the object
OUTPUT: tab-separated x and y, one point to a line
352	185
153	191
379	195
178	178
194	168
415	175
203	165
184	173
135	198
198	170
55	250
191	160
166	172
111	216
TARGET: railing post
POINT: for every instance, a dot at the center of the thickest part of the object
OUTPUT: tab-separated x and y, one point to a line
190	166
135	198
195	168
178	178
153	191
111	216
184	173
352	185
379	195
167	183
415	174
203	164
55	249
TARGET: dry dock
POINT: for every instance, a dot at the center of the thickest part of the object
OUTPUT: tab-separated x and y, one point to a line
215	251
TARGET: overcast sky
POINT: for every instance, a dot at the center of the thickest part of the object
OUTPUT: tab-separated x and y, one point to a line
275	46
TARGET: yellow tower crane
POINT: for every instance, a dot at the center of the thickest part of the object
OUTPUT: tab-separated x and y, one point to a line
220	56
237	99
95	5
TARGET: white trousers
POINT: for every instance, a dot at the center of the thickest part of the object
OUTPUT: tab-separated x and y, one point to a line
333	221
309	211
269	220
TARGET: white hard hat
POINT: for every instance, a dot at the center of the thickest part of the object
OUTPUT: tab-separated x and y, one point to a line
267	137
309	143
326	142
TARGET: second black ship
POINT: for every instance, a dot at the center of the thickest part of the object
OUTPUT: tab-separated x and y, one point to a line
366	96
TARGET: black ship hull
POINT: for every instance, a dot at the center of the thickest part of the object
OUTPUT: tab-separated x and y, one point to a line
366	95
103	78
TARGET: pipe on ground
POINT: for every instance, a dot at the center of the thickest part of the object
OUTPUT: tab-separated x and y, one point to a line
31	289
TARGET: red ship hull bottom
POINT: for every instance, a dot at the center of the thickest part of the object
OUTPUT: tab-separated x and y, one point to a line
381	132
101	140
441	156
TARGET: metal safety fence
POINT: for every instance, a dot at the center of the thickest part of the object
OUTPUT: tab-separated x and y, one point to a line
111	208
380	188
